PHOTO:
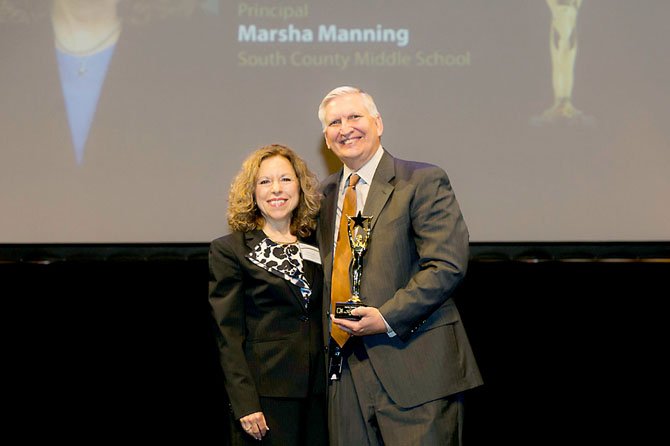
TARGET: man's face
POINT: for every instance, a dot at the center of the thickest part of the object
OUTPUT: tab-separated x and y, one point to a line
351	132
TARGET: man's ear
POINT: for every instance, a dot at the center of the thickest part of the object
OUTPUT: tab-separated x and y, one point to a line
380	125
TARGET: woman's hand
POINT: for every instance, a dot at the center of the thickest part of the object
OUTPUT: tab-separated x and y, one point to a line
254	424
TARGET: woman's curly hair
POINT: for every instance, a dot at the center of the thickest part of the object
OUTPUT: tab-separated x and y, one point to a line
243	212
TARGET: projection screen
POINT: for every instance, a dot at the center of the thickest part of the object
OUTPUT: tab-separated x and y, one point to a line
551	118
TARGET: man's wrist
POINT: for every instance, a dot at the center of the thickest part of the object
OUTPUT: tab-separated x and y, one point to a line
389	330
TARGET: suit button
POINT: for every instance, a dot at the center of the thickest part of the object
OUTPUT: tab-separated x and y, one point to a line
325	349
304	318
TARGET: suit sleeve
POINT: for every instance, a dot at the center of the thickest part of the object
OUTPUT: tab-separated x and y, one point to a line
226	296
441	239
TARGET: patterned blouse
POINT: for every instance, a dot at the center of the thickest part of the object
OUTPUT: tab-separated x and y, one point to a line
283	260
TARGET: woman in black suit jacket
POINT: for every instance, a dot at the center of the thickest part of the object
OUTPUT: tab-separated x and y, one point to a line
265	289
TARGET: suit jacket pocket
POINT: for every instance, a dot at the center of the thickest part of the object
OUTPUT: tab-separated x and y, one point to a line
444	315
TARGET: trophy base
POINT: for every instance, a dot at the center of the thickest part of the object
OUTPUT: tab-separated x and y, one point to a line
343	310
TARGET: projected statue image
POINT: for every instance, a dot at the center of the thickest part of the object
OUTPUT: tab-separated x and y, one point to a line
563	50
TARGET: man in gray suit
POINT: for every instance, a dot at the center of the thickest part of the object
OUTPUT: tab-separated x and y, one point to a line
399	378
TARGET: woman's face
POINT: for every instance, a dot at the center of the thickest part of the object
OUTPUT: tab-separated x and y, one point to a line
277	190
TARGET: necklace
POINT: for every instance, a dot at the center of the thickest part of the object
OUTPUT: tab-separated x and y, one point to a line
280	242
82	55
280	238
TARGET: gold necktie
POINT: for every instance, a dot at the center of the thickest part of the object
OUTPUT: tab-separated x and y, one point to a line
340	283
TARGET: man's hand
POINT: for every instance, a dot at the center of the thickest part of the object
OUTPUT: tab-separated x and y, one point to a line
371	322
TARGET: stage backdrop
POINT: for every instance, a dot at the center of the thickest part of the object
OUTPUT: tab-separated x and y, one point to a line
550	117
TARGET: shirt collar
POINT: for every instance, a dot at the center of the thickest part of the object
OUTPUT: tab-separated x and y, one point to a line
367	172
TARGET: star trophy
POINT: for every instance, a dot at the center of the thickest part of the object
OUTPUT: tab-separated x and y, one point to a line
358	229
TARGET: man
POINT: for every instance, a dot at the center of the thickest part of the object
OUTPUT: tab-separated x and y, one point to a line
398	379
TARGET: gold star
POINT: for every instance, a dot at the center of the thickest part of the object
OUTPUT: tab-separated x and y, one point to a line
360	220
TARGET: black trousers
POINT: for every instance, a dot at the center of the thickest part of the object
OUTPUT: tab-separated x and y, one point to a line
292	422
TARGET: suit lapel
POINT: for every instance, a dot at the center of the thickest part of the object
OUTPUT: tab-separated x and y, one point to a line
309	273
252	239
327	222
380	189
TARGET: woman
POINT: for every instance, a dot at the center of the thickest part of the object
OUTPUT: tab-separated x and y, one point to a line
265	292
